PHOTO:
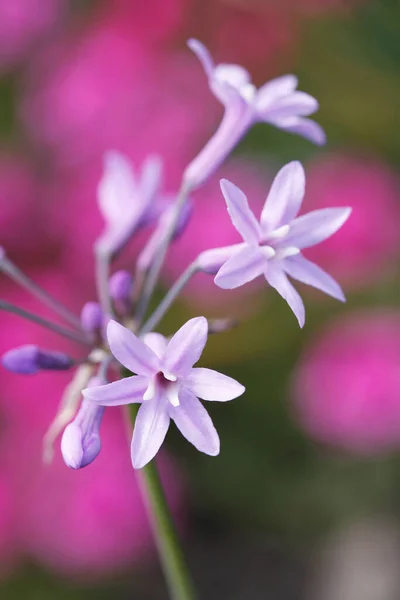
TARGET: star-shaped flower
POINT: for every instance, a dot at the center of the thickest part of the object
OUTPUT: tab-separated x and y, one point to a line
277	102
167	386
272	246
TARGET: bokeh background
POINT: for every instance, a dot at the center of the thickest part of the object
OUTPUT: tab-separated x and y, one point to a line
303	501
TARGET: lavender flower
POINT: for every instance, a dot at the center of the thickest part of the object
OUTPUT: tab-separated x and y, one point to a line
272	247
276	102
167	386
29	360
125	200
80	443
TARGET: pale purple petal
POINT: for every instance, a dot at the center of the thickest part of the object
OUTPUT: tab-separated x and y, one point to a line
239	211
157	342
117	393
185	347
150	180
203	55
211	385
285	196
80	443
130	351
316	226
307	128
309	273
195	424
275	89
295	104
278	280
243	266
210	261
117	190
151	426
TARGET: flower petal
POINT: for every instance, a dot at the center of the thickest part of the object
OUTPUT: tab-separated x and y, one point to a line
211	385
243	266
150	179
239	211
150	429
130	351
307	128
117	393
292	105
285	196
185	347
157	342
203	55
316	226
210	261
195	424
309	273
278	280
117	191
275	89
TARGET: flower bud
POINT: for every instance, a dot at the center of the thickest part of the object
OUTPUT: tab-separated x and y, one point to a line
92	317
29	360
120	285
80	443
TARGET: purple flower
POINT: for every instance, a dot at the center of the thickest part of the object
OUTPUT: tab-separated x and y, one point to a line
167	386
272	247
124	199
29	360
80	443
276	102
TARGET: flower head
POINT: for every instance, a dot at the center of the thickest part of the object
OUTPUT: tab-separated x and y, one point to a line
277	102
272	246
125	199
167	386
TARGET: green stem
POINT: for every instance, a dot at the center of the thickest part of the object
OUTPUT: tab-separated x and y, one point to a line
172	560
154	271
169	298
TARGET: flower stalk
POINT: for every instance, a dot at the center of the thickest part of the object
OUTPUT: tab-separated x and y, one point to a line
169	549
155	269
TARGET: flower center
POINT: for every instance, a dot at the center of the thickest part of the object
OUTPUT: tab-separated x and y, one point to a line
164	384
272	244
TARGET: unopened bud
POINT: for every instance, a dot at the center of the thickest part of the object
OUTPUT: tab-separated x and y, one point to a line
121	285
29	359
92	317
81	443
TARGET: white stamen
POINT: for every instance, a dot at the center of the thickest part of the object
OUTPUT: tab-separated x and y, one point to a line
172	394
279	233
248	91
268	251
151	390
169	376
282	253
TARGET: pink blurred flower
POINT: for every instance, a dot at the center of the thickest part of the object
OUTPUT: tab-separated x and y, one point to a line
23	228
347	384
87	523
368	245
8	541
23	23
101	88
256	36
